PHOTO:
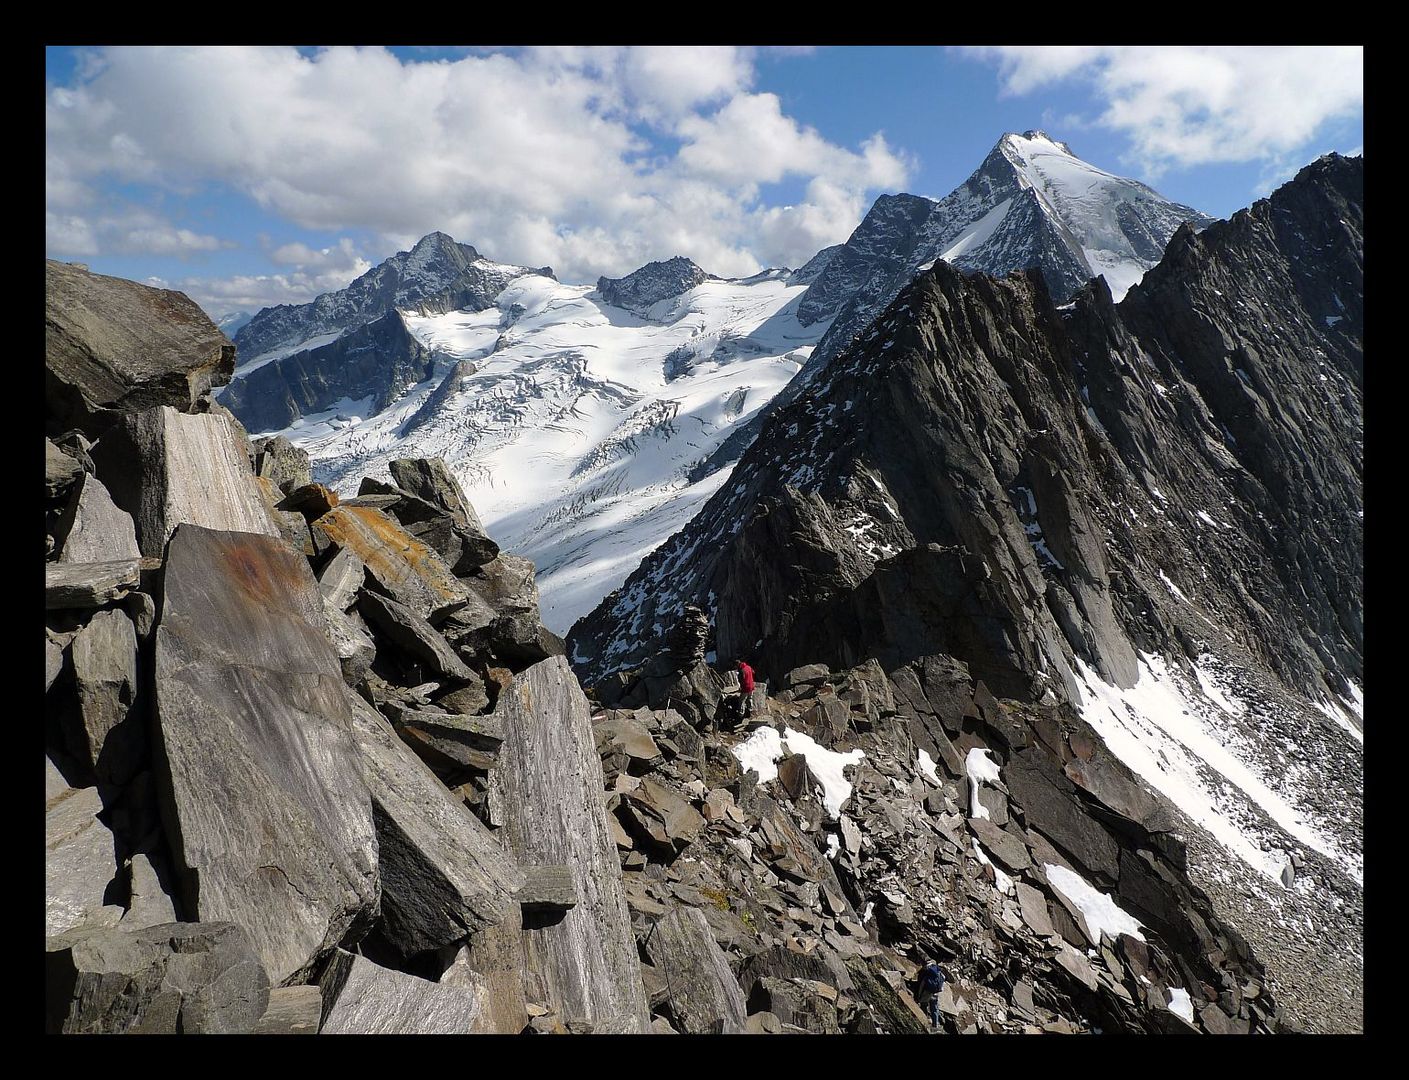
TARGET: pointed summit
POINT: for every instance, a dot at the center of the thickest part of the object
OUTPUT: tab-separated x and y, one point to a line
641	289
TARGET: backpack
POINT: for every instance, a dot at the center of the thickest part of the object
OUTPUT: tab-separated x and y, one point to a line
932	979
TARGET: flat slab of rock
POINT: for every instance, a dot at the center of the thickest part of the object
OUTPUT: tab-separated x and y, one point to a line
114	346
93	529
88	585
268	813
443	874
293	1010
1034	910
411	633
168	468
1001	844
360	998
409	571
193	978
547	791
80	859
548	888
705	995
446	739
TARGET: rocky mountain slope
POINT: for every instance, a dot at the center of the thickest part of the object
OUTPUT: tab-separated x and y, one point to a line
1089	505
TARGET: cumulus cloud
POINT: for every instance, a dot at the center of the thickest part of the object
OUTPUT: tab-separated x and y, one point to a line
591	160
1195	105
127	231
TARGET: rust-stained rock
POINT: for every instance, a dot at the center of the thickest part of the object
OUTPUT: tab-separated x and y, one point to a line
310	500
166	468
113	346
409	571
264	799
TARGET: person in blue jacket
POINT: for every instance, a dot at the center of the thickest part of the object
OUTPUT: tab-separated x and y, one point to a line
930	982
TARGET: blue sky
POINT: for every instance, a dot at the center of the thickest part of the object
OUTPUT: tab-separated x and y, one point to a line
252	176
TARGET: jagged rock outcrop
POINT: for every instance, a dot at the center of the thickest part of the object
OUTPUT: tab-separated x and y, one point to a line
642	289
1013	548
376	362
437	275
113	346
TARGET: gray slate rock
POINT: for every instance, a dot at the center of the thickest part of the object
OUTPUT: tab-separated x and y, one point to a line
444	740
80	860
148	902
88	585
443	875
255	730
100	733
192	978
166	468
293	1010
283	463
360	998
431	479
547	787
60	470
92	528
704	994
113	346
548	888
413	634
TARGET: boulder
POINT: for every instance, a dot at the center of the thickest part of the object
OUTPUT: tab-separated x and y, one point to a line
191	978
53	662
657	814
100	733
546	791
406	569
282	463
461	546
80	860
113	346
442	874
431	480
627	735
60	470
166	468
1001	844
92	528
88	585
445	740
341	579
254	729
360	998
413	635
704	996
466	700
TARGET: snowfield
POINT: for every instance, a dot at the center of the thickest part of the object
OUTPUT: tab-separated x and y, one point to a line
574	433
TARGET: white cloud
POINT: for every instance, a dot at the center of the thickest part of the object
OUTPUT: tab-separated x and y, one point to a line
591	160
1195	105
123	231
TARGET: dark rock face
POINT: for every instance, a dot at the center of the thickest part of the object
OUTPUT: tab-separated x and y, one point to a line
254	729
641	289
191	978
378	360
435	276
113	346
966	478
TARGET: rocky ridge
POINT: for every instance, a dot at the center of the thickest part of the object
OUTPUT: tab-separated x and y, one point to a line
1085	504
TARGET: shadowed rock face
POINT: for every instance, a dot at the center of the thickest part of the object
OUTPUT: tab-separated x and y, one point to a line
986	475
265	802
113	346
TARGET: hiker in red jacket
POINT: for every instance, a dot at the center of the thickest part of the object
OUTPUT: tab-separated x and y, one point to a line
745	705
